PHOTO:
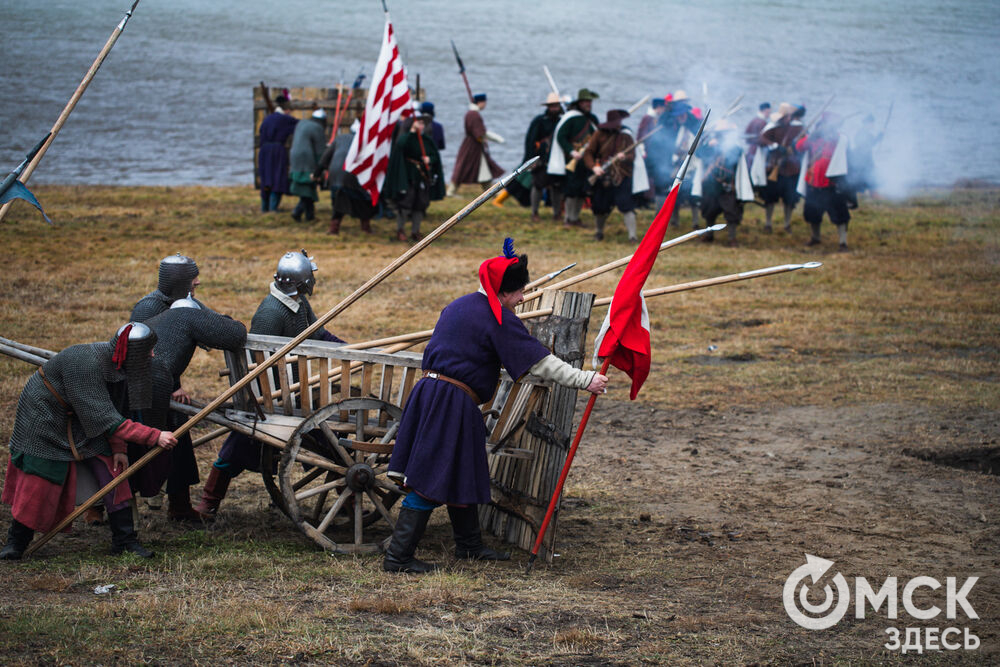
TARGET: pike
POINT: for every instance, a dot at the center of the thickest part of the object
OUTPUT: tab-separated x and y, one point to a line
267	98
12	188
73	100
288	347
617	157
461	70
549	276
552	85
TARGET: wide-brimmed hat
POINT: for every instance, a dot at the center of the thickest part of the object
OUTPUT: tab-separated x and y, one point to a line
585	94
724	125
786	109
680	95
614	119
551	98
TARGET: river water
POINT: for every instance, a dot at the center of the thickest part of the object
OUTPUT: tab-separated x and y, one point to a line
173	103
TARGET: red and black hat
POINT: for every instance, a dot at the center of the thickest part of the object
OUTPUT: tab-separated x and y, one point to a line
507	273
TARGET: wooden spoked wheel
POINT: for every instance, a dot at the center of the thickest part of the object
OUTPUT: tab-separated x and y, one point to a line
332	474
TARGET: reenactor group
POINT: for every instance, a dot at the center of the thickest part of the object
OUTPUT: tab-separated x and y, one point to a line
588	163
94	409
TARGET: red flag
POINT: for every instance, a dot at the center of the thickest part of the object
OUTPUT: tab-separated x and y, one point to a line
388	101
624	336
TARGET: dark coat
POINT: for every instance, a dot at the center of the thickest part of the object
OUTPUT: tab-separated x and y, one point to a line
406	169
272	160
441	446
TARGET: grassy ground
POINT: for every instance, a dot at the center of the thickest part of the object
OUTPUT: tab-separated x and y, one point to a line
909	319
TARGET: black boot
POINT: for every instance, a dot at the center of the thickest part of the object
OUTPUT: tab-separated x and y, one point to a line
18	538
468	537
123	535
410	527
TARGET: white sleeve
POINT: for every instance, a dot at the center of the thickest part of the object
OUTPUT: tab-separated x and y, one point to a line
555	369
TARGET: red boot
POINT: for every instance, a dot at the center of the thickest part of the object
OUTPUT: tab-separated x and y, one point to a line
213	493
179	506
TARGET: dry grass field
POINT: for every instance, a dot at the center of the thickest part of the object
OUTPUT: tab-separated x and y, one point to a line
849	412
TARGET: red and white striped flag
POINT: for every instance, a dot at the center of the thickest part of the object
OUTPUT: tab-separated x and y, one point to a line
388	100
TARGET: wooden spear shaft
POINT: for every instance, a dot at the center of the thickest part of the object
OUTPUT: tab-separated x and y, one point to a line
280	354
72	102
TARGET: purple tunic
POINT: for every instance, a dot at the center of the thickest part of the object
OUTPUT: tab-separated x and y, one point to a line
441	446
273	157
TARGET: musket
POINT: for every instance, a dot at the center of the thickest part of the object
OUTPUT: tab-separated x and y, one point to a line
773	174
267	98
552	85
622	153
734	106
16	174
638	105
88	77
461	70
281	353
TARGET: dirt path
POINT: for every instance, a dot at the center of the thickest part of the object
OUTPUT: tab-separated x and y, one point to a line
732	499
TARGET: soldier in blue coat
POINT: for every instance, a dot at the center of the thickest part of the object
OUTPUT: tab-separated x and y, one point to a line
272	160
440	452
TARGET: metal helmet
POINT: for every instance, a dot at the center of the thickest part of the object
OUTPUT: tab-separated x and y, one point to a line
186	302
295	273
133	355
176	274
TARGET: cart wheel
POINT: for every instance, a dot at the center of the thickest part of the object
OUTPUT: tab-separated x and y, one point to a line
269	457
332	474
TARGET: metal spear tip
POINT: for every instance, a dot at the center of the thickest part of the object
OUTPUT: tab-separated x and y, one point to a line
812	265
717	227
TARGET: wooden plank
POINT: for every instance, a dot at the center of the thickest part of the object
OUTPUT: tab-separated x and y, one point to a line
324	349
267	403
324	381
345	385
409	379
286	393
385	392
305	390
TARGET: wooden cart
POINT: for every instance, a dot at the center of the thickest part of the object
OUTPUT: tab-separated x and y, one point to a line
329	445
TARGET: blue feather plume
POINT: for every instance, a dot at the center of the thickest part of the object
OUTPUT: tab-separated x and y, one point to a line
508	248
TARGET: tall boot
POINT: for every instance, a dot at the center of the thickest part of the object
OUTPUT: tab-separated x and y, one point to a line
213	493
401	217
557	202
599	220
630	226
788	216
366	225
334	225
410	526
842	234
415	219
814	240
501	198
695	216
468	537
768	216
18	538
123	535
179	506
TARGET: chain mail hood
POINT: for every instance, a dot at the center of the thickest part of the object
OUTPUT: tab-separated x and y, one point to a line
176	274
131	346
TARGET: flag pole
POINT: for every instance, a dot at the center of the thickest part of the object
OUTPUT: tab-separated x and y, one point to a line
68	109
565	471
288	347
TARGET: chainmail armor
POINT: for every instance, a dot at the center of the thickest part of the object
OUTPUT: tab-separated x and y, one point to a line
175	276
86	378
153	304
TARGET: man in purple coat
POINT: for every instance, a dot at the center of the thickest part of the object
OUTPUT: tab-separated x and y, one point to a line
272	160
440	452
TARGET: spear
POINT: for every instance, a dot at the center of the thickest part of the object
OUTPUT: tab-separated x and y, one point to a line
461	70
548	276
638	105
288	347
11	188
73	100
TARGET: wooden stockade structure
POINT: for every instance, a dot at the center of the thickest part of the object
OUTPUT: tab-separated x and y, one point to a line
304	100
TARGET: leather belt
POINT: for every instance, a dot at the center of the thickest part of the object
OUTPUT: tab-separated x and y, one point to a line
69	415
434	375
